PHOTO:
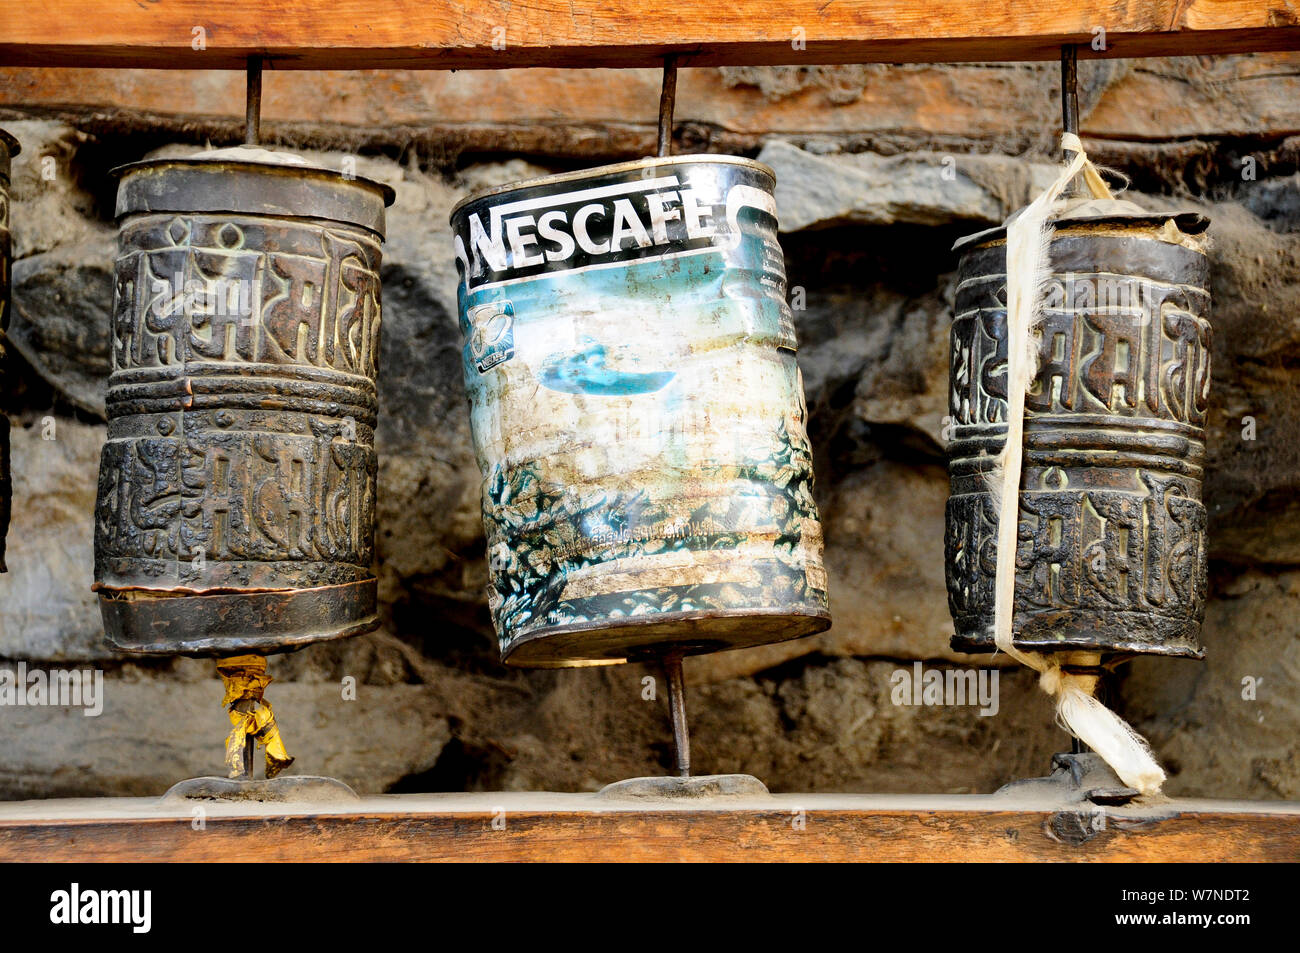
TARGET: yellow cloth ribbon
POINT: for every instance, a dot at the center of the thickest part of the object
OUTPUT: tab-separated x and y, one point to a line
246	679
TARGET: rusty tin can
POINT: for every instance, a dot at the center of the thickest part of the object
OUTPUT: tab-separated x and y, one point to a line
1112	547
236	501
638	414
8	149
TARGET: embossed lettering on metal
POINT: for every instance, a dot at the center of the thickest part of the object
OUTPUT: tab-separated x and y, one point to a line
237	488
1112	547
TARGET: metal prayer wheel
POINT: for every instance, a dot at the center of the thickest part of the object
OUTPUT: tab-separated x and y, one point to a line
236	503
8	149
638	414
1112	547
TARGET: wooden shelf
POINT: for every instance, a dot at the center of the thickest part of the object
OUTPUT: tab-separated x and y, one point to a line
584	827
496	34
492	34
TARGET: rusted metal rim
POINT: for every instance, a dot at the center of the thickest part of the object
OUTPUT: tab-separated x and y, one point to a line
973	647
635	638
160	622
982	644
244	187
1190	222
616	169
199	160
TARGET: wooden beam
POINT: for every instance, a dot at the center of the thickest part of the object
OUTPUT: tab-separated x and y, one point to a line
578	827
491	34
552	111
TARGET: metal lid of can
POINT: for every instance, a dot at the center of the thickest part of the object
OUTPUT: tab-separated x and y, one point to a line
1090	211
617	168
249	180
248	153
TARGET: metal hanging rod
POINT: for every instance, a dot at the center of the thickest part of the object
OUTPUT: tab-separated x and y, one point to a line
667	102
253	102
1070	93
677	707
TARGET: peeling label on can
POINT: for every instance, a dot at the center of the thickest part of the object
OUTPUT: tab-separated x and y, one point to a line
492	334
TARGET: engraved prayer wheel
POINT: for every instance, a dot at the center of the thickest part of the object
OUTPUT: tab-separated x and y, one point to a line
236	501
638	414
8	149
1112	547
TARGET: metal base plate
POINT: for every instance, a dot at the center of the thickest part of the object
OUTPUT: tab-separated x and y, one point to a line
704	786
293	789
1075	778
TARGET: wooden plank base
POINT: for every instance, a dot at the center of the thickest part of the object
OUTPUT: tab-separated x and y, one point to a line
583	827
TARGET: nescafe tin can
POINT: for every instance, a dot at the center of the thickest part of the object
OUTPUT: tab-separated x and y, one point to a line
638	414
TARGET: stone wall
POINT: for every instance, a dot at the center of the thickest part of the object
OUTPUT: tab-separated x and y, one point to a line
868	219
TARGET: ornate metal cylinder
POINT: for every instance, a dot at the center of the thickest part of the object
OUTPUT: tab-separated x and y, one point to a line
237	486
8	149
638	413
1112	550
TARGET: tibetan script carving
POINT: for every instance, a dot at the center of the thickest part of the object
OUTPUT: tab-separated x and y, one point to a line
1111	545
240	457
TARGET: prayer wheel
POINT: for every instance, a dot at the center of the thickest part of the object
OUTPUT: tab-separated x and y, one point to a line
1111	551
236	504
8	149
638	414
